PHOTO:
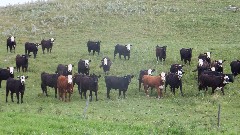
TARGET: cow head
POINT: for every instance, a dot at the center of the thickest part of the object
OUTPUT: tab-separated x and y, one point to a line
200	62
87	63
52	40
129	77
69	67
179	73
163	76
12	38
11	69
128	46
150	71
225	79
95	77
208	54
105	61
22	79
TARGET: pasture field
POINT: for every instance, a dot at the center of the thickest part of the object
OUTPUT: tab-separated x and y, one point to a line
204	25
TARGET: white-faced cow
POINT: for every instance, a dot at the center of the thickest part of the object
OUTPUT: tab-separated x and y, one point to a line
31	47
161	53
65	86
16	86
83	66
186	55
64	69
122	50
6	73
47	44
11	43
205	56
106	64
93	46
175	81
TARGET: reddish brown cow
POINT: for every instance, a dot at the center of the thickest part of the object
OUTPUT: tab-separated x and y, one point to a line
65	86
154	82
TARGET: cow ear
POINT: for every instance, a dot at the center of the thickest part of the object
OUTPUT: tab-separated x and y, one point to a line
223	61
130	45
18	76
26	77
8	68
132	76
99	76
153	70
72	65
89	60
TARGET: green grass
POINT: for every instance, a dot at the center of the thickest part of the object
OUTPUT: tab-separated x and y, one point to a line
202	25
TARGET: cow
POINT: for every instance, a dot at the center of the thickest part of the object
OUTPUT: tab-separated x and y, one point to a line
120	83
65	86
6	73
186	55
89	83
93	46
105	64
31	47
47	44
22	61
11	43
16	86
154	82
161	53
141	74
122	50
176	67
83	66
205	56
174	80
49	80
235	67
218	65
213	81
77	78
64	69
203	65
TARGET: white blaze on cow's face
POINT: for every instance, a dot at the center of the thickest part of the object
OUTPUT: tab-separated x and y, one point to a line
12	39
105	61
70	80
86	63
213	69
52	40
179	73
11	70
208	54
22	79
128	47
200	62
70	68
149	71
163	76
220	62
226	79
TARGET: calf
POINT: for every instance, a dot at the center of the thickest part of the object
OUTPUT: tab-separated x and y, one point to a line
22	61
205	56
83	66
93	46
106	64
122	50
64	69
161	53
141	74
6	73
11	43
31	47
154	82
16	86
176	67
235	67
47	44
120	83
65	86
49	80
175	81
186	55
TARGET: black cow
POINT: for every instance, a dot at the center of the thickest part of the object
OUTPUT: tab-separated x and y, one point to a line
161	53
89	83
142	73
213	81
31	47
93	46
6	73
235	67
205	56
49	80
47	44
176	67
175	81
105	64
186	55
203	65
122	50
11	43
22	61
16	86
64	69
83	66
120	83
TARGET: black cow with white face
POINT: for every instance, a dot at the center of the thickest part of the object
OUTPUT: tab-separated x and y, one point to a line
64	69
161	53
106	64
122	50
47	44
186	55
83	66
6	73
16	86
175	81
120	83
176	67
31	47
11	43
93	46
205	56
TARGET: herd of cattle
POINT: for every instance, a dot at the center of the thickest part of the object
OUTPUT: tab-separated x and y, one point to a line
209	72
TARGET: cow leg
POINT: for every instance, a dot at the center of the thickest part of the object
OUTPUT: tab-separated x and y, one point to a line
146	91
17	93
7	92
158	92
34	54
96	95
124	93
173	90
50	50
43	50
47	50
119	56
128	56
181	90
93	52
98	52
119	94
7	48
222	91
108	93
0	83
69	96
213	90
12	96
90	95
65	96
85	94
139	84
55	92
22	97
114	54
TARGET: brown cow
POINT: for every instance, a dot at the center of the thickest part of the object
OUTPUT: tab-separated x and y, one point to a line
65	85
154	81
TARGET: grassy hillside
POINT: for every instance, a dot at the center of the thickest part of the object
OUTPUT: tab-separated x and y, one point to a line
200	24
